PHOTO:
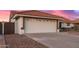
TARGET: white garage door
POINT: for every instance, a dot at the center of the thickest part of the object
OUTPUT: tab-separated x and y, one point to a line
39	26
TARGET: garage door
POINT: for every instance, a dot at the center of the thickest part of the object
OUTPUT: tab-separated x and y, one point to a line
39	26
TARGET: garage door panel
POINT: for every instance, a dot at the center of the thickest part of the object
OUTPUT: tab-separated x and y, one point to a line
36	26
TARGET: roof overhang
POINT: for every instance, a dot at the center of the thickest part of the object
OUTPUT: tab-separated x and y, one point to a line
20	15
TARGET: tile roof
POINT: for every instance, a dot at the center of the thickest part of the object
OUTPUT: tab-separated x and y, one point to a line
75	21
37	13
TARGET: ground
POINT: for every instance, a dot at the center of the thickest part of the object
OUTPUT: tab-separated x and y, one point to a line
21	41
2	42
42	40
57	40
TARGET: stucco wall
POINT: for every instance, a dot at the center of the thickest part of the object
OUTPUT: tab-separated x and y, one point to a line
16	26
40	26
19	25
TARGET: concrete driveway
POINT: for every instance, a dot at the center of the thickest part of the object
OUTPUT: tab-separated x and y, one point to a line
56	40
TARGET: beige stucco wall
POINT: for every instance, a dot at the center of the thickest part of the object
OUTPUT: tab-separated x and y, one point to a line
19	25
40	26
16	26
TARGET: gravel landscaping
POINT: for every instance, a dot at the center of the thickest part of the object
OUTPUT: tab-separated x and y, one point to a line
21	41
2	42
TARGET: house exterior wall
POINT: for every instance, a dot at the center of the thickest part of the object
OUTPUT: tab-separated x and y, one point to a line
40	25
19	25
76	26
16	26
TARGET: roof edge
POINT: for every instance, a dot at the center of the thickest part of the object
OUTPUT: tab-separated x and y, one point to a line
20	15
